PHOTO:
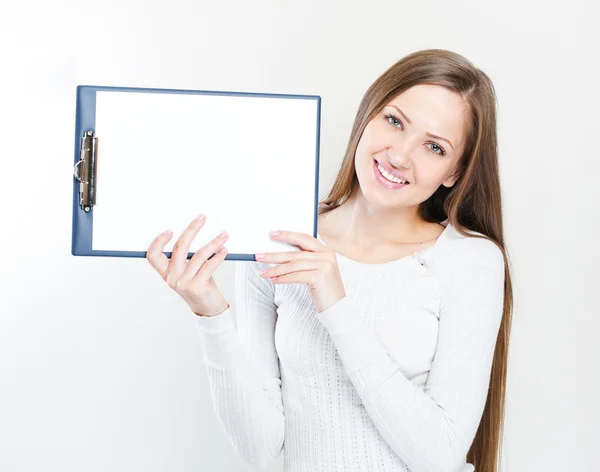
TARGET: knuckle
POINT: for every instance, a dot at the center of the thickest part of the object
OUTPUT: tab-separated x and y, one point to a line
196	258
171	282
181	285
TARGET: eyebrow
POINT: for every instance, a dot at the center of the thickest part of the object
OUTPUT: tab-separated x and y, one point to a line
428	134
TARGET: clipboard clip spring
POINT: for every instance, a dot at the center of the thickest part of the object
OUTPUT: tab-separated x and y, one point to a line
85	170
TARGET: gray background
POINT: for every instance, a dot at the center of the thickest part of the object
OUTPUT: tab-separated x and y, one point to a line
100	363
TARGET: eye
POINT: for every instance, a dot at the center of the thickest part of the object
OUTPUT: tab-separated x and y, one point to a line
441	151
396	123
393	120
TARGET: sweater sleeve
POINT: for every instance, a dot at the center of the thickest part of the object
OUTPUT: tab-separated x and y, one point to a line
431	429
243	368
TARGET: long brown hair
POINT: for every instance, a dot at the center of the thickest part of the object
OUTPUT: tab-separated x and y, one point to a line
472	203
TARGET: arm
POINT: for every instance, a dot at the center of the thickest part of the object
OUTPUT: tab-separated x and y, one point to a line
431	429
243	368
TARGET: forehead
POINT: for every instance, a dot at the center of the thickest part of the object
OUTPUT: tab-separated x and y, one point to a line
434	109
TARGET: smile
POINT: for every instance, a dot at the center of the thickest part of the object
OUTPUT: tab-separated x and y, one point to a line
384	179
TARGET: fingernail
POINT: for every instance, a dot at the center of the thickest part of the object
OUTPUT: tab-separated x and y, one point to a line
274	233
167	232
200	217
260	255
223	234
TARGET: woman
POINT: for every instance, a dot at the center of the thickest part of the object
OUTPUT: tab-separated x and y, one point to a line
382	344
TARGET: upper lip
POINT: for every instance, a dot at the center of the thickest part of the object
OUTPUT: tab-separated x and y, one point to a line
392	171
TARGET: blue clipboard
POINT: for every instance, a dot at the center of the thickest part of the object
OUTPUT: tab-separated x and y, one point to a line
89	159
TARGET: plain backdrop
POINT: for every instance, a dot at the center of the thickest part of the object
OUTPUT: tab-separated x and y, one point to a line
100	363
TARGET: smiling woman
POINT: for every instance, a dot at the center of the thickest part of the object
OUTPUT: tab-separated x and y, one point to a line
382	347
404	150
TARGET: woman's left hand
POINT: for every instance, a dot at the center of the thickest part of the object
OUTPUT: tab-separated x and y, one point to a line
315	265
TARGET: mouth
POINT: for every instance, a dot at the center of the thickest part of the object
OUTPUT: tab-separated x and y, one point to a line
386	178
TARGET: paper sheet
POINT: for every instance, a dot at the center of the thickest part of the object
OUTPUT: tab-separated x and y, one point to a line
247	162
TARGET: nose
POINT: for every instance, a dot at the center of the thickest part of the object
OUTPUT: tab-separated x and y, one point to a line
399	159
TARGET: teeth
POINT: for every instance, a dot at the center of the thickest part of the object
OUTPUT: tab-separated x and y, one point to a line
389	176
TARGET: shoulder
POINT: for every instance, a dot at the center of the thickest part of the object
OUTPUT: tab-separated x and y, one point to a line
470	270
475	250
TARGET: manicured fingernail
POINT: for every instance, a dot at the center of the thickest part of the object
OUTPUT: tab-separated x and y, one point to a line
168	232
274	233
200	217
260	255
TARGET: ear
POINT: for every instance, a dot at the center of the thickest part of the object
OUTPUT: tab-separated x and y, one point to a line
451	179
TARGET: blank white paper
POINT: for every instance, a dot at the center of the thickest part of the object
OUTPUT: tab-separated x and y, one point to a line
247	162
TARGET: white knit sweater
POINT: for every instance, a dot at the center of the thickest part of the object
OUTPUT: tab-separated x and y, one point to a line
393	377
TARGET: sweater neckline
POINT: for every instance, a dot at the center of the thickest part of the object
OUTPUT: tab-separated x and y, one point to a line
418	253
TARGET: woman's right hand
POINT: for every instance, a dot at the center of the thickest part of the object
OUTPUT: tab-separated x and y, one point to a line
192	280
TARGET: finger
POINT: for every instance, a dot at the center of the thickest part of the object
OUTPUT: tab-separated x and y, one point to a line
155	255
291	267
207	269
280	257
300	277
200	257
302	240
182	246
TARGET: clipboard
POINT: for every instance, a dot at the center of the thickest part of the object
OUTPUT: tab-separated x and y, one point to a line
147	160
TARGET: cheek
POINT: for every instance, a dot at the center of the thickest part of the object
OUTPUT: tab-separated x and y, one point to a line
430	175
370	140
363	145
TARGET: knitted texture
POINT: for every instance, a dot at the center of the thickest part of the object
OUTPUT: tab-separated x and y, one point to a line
393	377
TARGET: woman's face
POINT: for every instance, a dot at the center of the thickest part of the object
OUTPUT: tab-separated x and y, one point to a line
399	138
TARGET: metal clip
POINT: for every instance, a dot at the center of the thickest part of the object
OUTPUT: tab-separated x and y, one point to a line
85	170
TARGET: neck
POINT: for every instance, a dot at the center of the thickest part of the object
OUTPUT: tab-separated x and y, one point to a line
365	224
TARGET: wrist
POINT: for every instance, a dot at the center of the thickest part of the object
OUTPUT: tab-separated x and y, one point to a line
212	314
